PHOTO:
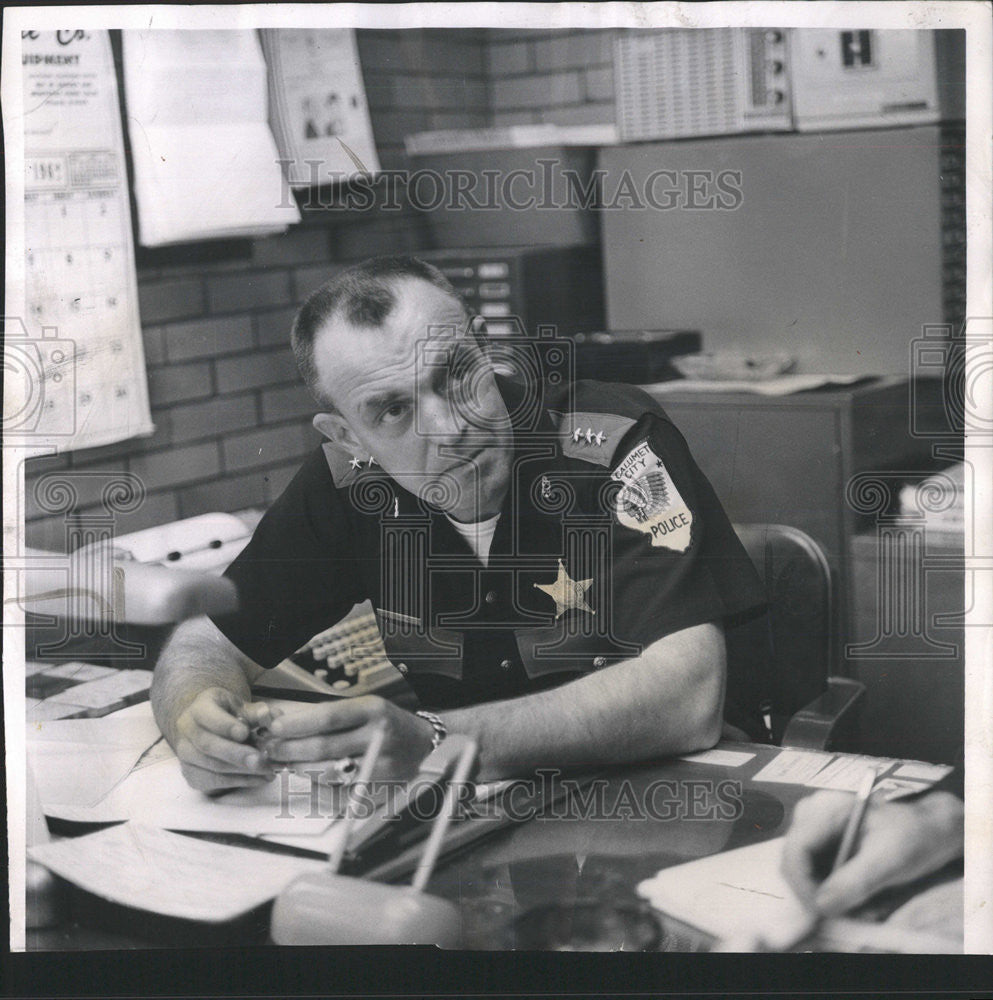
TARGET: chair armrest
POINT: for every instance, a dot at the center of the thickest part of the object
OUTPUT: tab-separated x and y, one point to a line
832	714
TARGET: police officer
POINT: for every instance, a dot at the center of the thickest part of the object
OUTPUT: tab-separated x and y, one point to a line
549	569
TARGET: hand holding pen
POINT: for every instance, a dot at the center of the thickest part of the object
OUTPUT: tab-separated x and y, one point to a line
893	843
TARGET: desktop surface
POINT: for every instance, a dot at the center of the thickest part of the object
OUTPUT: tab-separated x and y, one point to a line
563	879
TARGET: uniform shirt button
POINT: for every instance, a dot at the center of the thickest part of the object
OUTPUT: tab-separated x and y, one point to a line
505	664
491	596
599	662
402	667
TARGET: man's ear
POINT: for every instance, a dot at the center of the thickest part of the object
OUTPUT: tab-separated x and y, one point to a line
335	428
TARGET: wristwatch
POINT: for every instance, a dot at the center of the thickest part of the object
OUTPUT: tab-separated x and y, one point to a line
439	727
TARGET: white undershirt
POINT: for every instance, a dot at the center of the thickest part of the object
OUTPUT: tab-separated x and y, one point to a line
479	536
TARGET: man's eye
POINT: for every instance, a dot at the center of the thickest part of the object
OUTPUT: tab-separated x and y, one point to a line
393	414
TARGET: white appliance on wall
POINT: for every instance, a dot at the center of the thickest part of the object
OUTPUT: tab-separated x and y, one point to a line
685	83
861	79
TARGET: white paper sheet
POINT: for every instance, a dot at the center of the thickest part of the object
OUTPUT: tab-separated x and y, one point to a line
76	762
921	771
719	757
151	869
845	774
784	385
794	767
725	893
735	894
205	162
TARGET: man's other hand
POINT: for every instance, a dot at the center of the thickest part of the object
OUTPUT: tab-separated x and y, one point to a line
318	736
212	742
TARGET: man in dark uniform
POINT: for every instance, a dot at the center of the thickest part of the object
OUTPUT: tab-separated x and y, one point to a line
549	568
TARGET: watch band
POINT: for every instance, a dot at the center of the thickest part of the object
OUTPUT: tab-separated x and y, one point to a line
439	727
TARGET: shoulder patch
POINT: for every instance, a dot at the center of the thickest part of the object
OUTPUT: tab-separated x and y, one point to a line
592	437
649	501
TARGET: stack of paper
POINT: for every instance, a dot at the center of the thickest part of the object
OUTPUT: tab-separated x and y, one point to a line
205	162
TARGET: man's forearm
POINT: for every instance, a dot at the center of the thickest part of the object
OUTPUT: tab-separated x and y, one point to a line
668	700
195	658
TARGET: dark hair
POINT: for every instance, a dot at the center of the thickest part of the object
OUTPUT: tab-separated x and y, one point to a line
364	295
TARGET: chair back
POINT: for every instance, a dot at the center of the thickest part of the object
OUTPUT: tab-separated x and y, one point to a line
796	636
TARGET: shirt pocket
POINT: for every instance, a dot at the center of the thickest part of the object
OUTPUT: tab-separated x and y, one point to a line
555	649
414	648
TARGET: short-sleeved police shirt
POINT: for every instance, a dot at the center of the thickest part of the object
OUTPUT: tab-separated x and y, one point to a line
609	538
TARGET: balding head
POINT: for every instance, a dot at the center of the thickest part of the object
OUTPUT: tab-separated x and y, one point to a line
361	297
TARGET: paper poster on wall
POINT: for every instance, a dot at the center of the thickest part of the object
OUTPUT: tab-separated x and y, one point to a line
318	107
205	162
75	365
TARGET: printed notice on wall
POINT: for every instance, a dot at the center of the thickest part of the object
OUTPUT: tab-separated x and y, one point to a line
74	364
317	106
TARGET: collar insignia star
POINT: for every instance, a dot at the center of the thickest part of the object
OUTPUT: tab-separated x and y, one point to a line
577	433
372	461
567	593
355	463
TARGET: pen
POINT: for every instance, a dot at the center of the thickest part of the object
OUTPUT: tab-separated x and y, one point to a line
854	825
361	780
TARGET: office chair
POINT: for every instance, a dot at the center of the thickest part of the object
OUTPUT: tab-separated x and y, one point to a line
809	706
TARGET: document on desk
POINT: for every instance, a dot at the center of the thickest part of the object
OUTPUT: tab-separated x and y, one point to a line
152	869
845	774
794	767
725	893
77	762
734	894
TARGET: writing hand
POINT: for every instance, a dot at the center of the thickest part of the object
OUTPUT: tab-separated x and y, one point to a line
900	841
211	735
314	738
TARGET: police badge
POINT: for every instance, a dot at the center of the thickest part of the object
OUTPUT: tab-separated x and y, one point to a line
648	500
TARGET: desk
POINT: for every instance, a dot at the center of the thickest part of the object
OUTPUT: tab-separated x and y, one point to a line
601	852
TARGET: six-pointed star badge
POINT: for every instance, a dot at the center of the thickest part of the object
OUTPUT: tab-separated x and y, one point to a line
567	593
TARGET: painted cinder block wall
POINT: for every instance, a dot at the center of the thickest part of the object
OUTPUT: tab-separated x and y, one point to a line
232	421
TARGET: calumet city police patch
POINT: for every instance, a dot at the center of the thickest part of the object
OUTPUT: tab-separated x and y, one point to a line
649	501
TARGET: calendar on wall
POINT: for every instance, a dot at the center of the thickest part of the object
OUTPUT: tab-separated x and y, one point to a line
78	350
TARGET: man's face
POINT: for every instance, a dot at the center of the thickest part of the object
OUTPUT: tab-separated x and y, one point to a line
418	395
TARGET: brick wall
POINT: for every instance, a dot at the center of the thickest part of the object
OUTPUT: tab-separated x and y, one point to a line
553	77
232	421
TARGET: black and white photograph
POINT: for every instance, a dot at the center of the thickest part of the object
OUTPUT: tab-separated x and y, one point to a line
499	478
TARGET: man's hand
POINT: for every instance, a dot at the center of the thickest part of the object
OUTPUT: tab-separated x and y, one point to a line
315	737
900	841
211	735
